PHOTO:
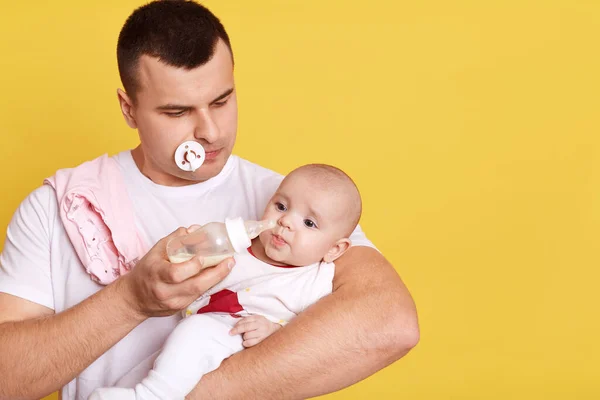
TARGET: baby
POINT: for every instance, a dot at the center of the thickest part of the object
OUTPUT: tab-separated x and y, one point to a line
283	272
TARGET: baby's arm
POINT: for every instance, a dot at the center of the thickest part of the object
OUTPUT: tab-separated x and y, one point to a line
255	329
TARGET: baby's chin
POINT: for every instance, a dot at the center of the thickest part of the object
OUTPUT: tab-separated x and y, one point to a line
275	256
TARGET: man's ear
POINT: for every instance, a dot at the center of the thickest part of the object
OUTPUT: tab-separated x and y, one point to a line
127	108
337	250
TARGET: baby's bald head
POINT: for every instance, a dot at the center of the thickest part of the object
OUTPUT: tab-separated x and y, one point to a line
334	186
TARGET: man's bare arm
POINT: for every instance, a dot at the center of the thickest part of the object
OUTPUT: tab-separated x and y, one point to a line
367	323
42	351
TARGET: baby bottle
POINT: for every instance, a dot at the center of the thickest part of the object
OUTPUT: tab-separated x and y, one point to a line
216	241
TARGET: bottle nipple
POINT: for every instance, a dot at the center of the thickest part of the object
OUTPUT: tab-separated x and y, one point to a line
255	228
241	232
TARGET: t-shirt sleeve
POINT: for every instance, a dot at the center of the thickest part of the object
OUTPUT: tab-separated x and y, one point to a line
358	238
321	283
25	258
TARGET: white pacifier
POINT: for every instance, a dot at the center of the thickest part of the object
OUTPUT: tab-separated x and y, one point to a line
189	156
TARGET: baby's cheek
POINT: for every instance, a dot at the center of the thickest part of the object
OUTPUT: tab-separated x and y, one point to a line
263	238
273	255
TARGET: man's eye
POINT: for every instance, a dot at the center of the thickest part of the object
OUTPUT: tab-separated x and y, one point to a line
220	103
309	223
280	206
175	114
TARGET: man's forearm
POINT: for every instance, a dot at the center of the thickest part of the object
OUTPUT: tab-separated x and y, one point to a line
41	355
366	324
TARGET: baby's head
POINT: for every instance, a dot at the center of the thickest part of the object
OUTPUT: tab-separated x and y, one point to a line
316	207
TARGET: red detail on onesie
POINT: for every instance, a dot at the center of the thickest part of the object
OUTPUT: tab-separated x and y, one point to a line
224	301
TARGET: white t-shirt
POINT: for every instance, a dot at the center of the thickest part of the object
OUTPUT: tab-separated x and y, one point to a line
39	264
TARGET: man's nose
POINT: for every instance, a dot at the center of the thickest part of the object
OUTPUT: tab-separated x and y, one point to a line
206	127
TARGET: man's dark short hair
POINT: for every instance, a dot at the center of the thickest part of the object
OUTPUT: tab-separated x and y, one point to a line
179	33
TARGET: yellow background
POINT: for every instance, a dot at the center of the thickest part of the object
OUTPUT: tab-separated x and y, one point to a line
471	128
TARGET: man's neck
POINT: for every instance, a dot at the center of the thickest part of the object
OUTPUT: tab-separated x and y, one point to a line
160	178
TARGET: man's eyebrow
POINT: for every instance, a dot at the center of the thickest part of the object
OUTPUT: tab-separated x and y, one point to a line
171	107
223	95
181	107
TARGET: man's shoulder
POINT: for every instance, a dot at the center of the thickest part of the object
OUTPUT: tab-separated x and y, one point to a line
258	170
251	172
36	213
256	182
43	198
123	159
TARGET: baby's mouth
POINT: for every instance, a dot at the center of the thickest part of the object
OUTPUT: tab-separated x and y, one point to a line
278	240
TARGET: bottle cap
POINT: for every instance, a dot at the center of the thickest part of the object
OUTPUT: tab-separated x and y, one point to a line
236	230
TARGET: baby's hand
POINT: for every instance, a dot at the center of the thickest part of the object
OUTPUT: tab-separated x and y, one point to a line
255	329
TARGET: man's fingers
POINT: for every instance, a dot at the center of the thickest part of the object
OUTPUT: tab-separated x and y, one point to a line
193	228
209	277
162	243
179	272
177	232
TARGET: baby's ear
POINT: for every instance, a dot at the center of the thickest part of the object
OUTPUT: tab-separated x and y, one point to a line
337	250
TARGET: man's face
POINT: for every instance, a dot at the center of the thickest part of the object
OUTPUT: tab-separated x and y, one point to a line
176	105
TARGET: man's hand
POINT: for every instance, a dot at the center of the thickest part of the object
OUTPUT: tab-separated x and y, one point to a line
34	341
156	288
254	329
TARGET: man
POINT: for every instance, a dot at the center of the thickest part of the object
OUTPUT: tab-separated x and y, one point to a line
58	328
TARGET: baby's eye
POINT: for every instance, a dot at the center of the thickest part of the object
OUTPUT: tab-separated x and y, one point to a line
309	223
280	206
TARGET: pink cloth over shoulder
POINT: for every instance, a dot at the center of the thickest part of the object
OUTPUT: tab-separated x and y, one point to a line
98	217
